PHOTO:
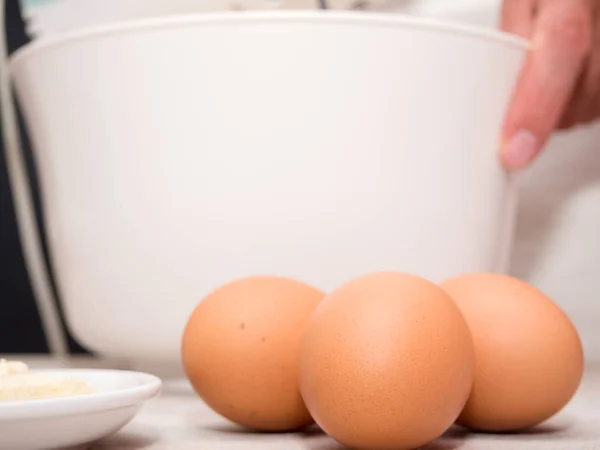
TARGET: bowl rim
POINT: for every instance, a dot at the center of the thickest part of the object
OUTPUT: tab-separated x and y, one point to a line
261	17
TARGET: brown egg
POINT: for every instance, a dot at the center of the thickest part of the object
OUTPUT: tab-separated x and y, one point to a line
240	351
529	359
386	363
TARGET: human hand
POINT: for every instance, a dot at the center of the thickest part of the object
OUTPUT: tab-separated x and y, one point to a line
559	86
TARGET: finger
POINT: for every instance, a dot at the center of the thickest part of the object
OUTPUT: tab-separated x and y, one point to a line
517	17
590	111
576	106
584	103
561	42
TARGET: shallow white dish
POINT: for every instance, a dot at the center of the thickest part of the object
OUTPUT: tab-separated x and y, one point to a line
72	421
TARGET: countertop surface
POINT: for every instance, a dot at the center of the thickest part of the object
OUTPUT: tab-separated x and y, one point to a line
178	420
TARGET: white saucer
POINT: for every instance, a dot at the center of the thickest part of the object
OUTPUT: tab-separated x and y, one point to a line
73	421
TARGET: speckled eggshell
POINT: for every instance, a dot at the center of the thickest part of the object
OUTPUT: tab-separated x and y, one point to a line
240	351
529	358
386	363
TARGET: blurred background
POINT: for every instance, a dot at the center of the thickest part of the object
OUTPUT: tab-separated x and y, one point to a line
21	330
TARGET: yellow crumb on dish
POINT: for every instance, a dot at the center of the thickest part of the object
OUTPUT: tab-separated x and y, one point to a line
17	384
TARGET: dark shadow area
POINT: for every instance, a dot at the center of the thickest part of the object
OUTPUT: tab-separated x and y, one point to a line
25	334
540	430
231	428
318	440
327	443
312	437
124	441
456	432
544	431
16	295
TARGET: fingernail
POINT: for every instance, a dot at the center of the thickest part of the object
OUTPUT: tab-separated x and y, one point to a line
520	150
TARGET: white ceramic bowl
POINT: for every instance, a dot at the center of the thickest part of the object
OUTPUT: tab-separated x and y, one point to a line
177	154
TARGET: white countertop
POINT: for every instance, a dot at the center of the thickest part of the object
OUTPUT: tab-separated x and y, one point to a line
178	420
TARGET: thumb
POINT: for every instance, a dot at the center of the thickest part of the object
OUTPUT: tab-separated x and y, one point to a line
561	42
